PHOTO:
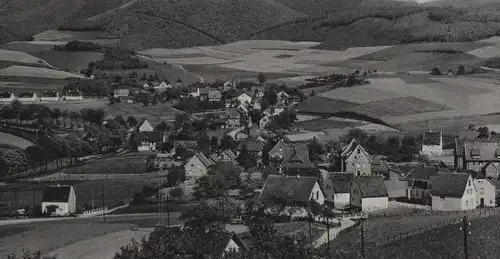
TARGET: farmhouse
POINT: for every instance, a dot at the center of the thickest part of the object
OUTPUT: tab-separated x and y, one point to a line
59	200
27	97
368	193
453	191
478	155
282	97
290	153
234	119
486	190
145	126
295	188
121	92
162	87
419	182
337	188
244	98
252	145
225	156
197	166
355	159
432	144
264	121
149	140
73	96
7	97
214	96
50	96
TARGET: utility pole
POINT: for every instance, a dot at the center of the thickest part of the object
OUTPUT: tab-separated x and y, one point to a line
103	206
362	237
465	227
328	235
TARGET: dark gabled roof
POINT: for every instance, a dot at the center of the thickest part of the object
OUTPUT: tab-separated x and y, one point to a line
296	152
234	113
302	170
294	188
396	189
340	181
25	95
56	193
49	94
73	93
5	94
485	167
348	149
481	150
468	134
188	144
204	160
422	173
252	145
432	138
229	153
214	94
449	184
151	136
371	186
476	175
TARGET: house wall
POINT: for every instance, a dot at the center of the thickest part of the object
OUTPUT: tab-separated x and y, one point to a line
492	170
358	163
446	203
317	195
420	193
375	203
146	146
485	190
73	98
63	209
231	246
50	99
432	150
72	201
194	168
244	98
340	200
355	196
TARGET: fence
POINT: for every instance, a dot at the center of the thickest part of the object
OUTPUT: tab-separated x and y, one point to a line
94	212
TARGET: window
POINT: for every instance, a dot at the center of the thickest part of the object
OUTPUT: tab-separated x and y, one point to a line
359	151
469	182
358	173
466	204
357	165
328	187
317	195
482	191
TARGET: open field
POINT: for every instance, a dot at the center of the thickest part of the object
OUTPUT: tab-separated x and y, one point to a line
73	61
20	57
79	105
24	71
153	113
397	107
322	124
11	140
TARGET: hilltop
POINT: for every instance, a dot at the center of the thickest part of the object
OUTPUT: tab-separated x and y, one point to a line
338	24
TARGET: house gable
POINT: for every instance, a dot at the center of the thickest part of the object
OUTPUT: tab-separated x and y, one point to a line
278	149
145	126
359	154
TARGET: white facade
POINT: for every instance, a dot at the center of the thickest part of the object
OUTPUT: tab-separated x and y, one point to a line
73	98
486	193
231	246
341	200
466	202
317	194
194	168
64	208
146	146
244	98
50	99
145	126
358	163
367	203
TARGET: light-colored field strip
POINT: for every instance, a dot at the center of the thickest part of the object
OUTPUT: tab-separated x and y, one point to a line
272	44
360	94
15	141
375	127
102	247
53	35
24	71
164	53
494	40
38	42
17	56
316	70
485	52
259	66
195	61
215	53
469	85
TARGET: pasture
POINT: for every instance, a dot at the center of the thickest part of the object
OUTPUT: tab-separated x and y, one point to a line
322	124
19	57
153	113
38	72
73	61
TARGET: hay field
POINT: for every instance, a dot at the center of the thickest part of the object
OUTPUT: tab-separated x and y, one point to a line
104	247
79	105
15	141
24	71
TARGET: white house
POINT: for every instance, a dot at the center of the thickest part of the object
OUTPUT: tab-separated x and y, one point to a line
368	193
59	200
50	96
73	96
145	126
197	166
244	98
7	97
453	192
149	140
27	97
264	121
282	96
336	186
295	188
355	159
432	144
486	190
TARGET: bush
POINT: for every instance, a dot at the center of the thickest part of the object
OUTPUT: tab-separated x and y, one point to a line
75	45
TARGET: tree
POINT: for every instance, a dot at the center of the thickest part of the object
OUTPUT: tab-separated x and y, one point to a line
227	143
261	78
15	160
316	150
176	192
483	132
162	126
203	142
359	135
461	70
393	147
409	148
436	71
175	176
30	255
133	142
214	142
132	121
246	159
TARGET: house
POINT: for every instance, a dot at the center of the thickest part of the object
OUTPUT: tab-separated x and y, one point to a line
217	242
243	109
225	156
148	86
264	121
453	191
197	166
145	126
73	96
254	131
162	87
244	98
27	97
337	188
486	190
282	97
7	97
368	193
121	92
432	144
478	155
214	96
252	145
396	189
419	182
127	99
149	140
50	96
355	159
290	153
295	188
59	200
300	169
234	119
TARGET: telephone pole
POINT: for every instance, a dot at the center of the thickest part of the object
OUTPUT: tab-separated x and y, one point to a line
103	206
362	237
465	228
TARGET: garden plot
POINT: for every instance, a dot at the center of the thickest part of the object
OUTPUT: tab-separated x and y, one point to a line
104	247
15	141
359	94
21	57
397	107
485	103
24	71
